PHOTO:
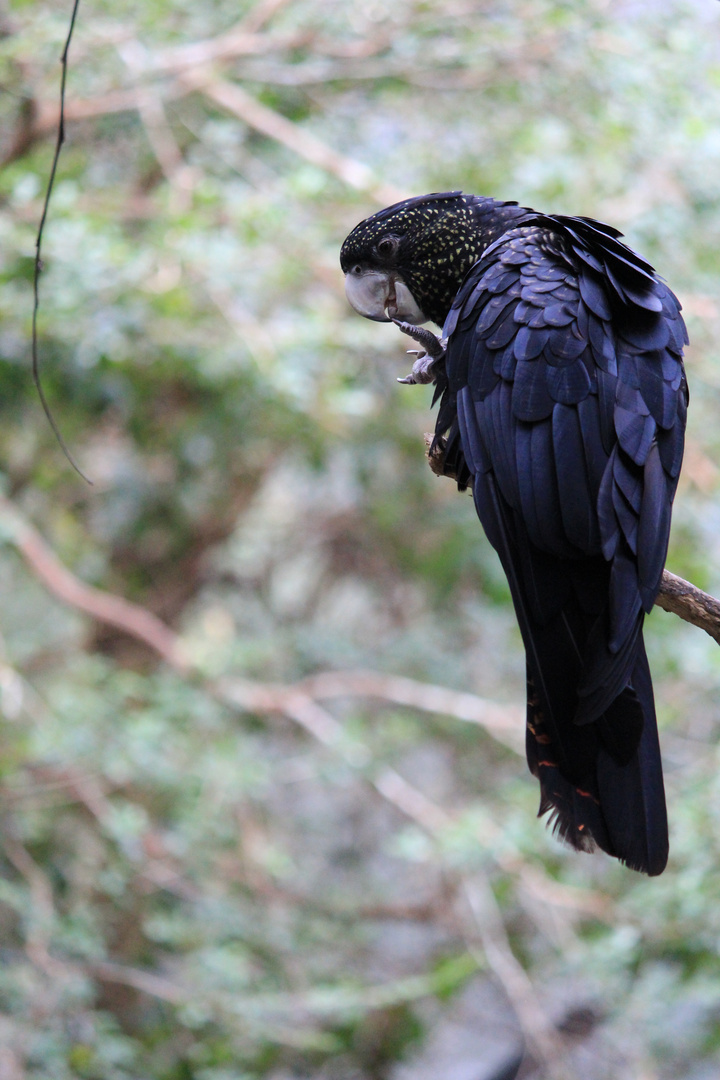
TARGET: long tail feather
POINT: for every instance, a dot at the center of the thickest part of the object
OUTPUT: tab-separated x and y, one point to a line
600	780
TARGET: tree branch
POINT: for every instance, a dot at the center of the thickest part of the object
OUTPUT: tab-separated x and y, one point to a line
302	142
39	240
246	108
484	927
106	608
690	603
504	722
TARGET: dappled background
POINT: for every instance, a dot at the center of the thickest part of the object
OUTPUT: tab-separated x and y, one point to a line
270	819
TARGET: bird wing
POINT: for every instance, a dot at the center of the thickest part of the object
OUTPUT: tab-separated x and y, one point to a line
566	401
564	366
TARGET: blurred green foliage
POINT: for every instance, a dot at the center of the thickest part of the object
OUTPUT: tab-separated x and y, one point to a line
194	892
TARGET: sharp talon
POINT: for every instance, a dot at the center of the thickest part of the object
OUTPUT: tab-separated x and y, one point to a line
407	381
432	344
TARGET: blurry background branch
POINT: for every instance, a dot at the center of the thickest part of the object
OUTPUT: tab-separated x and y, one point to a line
300	705
106	608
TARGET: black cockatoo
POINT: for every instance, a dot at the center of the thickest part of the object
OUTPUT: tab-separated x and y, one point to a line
562	403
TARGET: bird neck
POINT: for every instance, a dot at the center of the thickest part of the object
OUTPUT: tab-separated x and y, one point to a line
443	252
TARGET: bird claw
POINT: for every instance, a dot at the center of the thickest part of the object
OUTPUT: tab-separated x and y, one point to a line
426	367
424	371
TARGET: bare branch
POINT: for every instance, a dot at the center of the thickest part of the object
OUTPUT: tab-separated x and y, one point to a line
411	802
115	101
181	177
297	701
38	245
238	41
487	928
505	723
690	603
265	120
232	97
319	723
105	607
159	133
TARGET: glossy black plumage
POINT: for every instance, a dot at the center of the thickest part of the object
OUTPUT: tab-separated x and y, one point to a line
563	403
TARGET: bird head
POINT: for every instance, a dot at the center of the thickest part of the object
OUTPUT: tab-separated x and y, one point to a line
408	261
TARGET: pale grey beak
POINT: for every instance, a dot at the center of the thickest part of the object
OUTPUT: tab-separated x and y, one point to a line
381	296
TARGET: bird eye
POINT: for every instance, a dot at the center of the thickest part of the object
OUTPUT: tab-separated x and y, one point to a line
357	269
386	246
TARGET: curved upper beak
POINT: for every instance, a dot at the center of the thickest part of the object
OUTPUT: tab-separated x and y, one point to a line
381	296
368	293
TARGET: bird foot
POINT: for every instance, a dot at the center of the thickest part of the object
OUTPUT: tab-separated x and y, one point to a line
426	367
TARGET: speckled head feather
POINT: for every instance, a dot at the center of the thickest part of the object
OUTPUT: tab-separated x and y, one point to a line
435	240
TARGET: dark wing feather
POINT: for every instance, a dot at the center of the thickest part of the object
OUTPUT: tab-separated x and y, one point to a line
567	394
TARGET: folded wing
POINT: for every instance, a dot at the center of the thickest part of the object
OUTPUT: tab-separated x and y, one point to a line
565	403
